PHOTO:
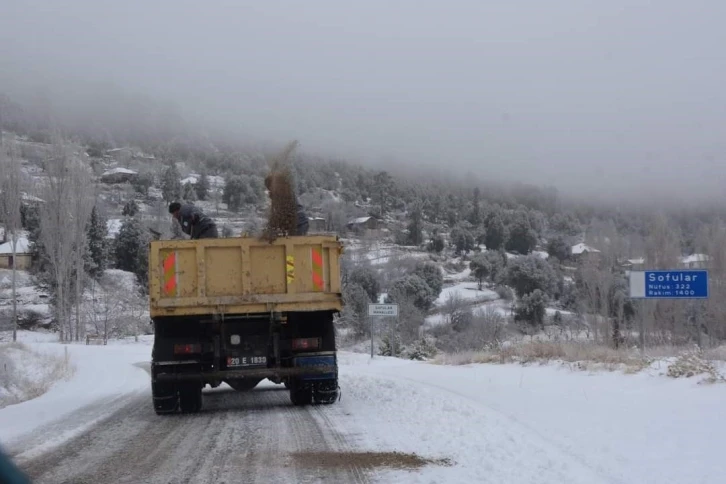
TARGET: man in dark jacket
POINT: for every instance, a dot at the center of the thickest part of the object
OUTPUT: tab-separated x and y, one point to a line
193	221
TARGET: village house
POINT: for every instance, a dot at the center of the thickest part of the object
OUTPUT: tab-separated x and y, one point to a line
367	226
119	175
695	261
582	253
317	224
23	256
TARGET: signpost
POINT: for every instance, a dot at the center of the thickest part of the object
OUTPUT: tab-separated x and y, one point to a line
676	284
380	310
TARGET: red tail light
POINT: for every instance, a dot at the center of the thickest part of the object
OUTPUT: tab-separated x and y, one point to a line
187	349
306	344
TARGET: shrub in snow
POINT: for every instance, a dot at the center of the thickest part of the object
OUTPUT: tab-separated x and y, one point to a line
421	350
691	364
504	292
531	308
390	345
430	272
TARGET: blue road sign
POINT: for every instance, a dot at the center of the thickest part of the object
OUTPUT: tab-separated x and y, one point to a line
669	284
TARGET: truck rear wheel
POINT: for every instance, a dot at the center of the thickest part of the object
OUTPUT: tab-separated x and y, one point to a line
326	392
190	399
300	394
164	397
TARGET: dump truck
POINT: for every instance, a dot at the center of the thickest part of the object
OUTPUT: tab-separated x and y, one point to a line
239	310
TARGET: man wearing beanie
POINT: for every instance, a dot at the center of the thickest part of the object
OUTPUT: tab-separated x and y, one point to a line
193	221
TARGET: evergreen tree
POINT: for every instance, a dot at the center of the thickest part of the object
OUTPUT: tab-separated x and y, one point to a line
234	193
97	253
188	193
131	208
171	188
415	227
522	238
202	187
131	249
496	234
475	215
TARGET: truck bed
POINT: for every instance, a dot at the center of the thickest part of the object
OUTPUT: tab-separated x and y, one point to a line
244	275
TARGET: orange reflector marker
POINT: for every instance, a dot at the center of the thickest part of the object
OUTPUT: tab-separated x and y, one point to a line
170	282
318	278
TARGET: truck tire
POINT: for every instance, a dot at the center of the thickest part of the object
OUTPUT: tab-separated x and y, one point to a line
164	397
190	399
244	384
300	394
326	392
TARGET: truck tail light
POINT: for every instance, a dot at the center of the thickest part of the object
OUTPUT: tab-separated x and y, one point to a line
306	344
187	349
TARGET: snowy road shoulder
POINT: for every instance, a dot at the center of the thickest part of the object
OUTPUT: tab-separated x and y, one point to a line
508	423
101	373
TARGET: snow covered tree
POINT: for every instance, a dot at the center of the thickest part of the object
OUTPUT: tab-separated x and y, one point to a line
496	232
356	298
559	248
462	240
532	308
366	278
202	187
171	188
413	288
525	274
97	231
67	194
415	226
188	193
131	208
430	272
480	268
10	216
234	193
522	237
475	216
131	249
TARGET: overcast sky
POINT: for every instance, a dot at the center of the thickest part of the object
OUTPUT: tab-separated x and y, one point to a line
584	94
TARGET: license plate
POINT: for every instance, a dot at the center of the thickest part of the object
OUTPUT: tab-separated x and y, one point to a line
246	361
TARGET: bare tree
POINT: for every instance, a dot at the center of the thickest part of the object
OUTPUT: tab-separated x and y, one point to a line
84	199
10	200
58	222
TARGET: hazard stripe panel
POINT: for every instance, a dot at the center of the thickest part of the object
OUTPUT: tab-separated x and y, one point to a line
318	277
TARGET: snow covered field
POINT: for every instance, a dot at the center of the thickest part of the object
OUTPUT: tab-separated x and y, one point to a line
492	423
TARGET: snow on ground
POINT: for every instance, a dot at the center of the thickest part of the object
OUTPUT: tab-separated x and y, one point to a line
510	423
101	372
468	291
27	373
494	423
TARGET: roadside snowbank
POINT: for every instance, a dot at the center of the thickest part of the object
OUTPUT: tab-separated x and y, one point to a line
26	374
513	423
102	372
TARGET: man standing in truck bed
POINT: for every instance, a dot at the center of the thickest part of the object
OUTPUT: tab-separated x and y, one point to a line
193	221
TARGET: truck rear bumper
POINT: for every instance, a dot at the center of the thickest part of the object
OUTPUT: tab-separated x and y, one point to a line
312	371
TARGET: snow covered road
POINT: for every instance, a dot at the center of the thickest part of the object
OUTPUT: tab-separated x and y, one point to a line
479	423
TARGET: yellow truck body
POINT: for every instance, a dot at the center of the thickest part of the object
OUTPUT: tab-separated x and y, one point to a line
244	275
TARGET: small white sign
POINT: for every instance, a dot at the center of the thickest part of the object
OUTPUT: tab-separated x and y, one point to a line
383	310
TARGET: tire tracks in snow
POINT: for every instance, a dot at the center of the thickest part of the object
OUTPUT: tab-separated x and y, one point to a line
237	437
